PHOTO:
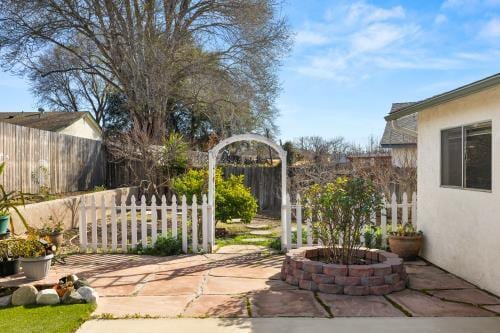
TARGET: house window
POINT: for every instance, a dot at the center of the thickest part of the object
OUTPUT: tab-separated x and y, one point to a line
466	156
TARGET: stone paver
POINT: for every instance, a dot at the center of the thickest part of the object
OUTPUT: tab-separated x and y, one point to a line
161	306
421	305
162	285
217	306
286	303
437	281
355	306
219	284
257	226
231	285
261	232
471	296
494	308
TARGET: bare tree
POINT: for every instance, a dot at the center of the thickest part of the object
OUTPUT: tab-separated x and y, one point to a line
60	88
147	49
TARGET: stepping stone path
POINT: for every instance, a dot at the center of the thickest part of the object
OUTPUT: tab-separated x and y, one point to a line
254	240
257	226
261	233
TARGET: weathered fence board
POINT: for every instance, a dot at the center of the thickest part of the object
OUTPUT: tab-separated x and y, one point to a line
36	158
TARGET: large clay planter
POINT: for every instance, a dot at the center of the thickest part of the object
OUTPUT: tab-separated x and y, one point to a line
406	247
4	223
36	268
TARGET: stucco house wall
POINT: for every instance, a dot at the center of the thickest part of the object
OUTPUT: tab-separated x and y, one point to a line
83	128
461	227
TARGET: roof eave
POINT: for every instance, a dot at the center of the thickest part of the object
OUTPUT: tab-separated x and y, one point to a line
446	97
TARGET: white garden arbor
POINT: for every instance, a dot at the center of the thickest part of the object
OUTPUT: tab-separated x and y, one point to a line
212	161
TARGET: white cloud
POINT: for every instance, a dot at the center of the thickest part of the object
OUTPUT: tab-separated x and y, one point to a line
440	19
311	38
361	12
379	36
491	30
469	5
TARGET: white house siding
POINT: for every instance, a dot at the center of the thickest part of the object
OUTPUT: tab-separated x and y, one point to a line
404	156
461	227
82	128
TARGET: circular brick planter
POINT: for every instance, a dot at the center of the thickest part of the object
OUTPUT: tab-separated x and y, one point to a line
383	275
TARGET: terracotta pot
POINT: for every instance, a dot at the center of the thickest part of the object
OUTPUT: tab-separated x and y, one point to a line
56	239
406	247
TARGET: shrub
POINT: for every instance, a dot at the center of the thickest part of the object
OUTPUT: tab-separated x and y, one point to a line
232	198
339	212
164	246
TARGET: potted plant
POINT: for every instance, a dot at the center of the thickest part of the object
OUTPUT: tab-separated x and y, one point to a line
405	241
35	257
53	230
9	261
8	201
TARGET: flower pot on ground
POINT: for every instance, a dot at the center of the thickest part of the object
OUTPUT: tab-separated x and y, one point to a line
35	257
53	230
9	267
36	268
9	261
406	242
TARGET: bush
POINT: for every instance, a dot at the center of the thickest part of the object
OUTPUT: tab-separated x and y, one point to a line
339	212
164	246
232	198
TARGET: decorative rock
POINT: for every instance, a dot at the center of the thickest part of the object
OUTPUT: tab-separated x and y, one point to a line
308	285
89	294
381	269
5	300
380	290
331	288
348	280
335	270
360	270
72	297
312	267
372	280
24	295
322	278
81	283
47	297
356	290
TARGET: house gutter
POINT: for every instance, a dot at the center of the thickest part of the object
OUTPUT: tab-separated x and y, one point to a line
468	89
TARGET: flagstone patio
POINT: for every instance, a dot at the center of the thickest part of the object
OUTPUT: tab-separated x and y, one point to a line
243	281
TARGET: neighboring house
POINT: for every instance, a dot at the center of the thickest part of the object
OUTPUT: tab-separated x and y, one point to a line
364	160
80	124
400	136
459	180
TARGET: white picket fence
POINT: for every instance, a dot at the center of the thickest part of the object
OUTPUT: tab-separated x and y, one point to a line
101	217
295	211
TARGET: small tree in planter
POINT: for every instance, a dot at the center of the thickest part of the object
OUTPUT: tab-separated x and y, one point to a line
53	230
339	211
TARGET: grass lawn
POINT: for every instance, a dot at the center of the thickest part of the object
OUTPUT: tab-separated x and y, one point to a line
46	319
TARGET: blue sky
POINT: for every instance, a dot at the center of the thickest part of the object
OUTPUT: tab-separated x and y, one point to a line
352	59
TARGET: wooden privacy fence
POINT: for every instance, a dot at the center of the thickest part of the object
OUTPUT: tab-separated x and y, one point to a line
390	209
106	226
59	162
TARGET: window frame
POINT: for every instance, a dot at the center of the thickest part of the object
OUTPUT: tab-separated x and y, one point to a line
463	147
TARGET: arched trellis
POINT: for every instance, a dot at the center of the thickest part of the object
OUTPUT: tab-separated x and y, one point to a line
212	161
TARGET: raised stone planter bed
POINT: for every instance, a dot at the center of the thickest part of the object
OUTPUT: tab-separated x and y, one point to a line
383	273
